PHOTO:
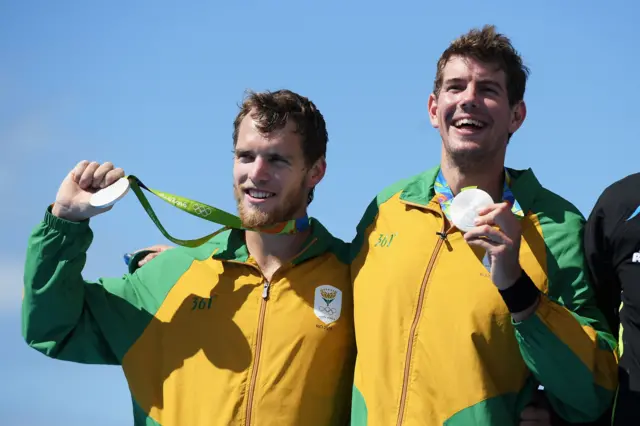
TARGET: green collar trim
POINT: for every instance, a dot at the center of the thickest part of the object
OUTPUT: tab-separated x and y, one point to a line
419	190
230	245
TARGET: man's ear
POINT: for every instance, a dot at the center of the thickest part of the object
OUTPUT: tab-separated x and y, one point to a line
518	114
316	172
432	108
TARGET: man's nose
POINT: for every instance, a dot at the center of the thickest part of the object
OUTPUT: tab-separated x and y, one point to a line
469	98
260	169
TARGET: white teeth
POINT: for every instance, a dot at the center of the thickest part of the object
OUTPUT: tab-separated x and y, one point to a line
468	121
259	194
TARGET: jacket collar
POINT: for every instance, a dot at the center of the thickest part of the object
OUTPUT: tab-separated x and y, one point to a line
230	245
420	192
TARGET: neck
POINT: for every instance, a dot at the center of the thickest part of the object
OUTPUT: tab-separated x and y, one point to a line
489	177
272	250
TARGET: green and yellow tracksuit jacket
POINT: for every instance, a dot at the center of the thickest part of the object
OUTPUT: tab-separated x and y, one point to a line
202	337
436	342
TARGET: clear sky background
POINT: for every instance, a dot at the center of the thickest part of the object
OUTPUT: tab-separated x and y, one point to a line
153	86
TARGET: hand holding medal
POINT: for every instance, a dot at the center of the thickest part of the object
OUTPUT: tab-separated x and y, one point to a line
91	189
493	227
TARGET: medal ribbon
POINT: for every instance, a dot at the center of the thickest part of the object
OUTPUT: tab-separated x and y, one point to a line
445	195
206	212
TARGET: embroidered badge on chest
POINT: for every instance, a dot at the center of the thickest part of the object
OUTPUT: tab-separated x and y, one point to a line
327	303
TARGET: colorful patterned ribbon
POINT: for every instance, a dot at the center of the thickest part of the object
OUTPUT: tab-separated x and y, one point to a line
445	195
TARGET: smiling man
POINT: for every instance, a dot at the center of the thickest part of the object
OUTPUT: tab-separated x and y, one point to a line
255	327
459	328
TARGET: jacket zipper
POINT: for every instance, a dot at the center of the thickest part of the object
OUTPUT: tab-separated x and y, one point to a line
414	325
256	358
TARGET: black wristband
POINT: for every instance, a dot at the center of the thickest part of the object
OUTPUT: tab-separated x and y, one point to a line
521	295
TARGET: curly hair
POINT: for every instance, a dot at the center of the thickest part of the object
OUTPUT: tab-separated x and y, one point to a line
272	110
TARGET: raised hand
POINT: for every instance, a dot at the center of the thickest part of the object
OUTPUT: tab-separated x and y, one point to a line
86	178
499	232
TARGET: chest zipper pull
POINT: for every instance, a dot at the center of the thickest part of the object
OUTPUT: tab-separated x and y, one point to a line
265	290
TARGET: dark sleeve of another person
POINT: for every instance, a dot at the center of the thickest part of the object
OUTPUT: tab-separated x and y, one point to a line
612	248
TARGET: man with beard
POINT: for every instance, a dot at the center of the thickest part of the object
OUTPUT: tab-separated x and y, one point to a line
253	327
459	325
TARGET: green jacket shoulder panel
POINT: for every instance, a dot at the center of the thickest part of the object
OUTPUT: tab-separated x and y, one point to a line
417	189
67	317
323	242
562	227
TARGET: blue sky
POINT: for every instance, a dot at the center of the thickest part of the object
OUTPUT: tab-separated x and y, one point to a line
154	87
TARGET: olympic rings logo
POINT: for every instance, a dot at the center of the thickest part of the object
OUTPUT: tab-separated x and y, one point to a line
202	210
328	310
